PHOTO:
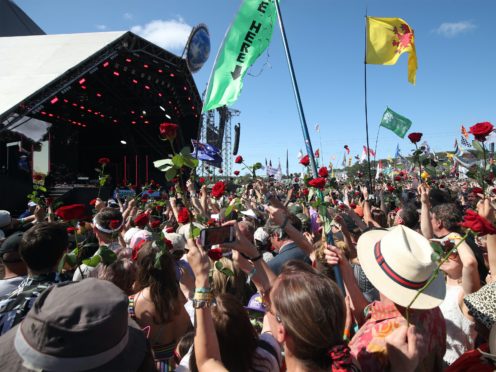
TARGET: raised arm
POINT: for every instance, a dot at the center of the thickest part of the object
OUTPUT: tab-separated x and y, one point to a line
425	214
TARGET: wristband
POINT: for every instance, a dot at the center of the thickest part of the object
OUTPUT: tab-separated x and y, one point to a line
283	226
200	304
252	259
203	296
203	290
250	275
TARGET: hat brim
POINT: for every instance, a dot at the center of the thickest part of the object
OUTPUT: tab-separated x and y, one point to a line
430	298
133	357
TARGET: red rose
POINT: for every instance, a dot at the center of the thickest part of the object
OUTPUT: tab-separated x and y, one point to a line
239	159
353	205
296	180
104	161
71	230
415	137
323	172
159	208
397	178
342	206
477	190
390	188
174	180
319	183
155	224
201	180
93	201
183	216
141	220
477	223
168	131
215	254
211	222
441	186
71	212
150	191
37	177
305	160
236	172
145	196
218	190
305	192
481	130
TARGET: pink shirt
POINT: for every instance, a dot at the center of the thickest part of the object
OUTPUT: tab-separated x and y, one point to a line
369	347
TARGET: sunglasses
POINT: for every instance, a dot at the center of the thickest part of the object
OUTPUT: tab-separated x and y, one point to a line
267	304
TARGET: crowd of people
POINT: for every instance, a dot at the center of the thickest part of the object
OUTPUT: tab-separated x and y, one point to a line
398	276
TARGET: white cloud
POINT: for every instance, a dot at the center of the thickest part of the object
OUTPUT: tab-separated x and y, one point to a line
128	15
101	27
453	29
171	34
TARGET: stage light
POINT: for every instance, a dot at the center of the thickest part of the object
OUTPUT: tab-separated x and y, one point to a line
144	112
82	81
145	66
105	64
135	81
168	116
54	100
159	94
161	108
98	94
83	86
128	60
147	87
171	74
116	73
133	122
123	142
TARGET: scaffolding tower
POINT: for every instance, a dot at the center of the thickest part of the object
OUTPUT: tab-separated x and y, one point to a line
219	135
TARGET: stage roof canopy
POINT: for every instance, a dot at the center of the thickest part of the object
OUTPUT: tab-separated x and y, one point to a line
95	83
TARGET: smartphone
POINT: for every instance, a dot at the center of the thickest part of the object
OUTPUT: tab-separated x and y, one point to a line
216	235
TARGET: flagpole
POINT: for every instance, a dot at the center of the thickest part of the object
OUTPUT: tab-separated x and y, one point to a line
376	140
304	128
296	91
366	111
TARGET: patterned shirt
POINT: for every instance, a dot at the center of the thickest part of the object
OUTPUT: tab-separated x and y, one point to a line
368	346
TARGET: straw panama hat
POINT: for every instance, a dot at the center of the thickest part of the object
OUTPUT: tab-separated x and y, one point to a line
398	263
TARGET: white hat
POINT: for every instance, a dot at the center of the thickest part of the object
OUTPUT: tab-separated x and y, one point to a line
129	234
249	213
492	345
32	204
261	235
139	236
177	240
184	229
398	263
5	218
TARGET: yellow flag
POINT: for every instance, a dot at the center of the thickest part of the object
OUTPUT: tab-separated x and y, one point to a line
387	39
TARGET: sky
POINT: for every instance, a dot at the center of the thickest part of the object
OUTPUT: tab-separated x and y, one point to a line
456	77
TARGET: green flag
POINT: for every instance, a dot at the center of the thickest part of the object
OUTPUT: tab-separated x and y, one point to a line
395	122
247	38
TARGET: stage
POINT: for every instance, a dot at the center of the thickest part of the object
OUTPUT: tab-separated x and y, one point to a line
88	96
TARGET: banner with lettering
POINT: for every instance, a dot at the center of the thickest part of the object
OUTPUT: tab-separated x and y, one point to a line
247	38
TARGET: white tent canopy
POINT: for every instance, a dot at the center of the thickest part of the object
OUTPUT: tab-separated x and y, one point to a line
28	63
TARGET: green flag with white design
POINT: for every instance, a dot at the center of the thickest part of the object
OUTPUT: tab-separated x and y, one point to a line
247	38
395	122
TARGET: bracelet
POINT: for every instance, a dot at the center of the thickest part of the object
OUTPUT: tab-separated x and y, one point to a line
252	259
203	296
250	275
346	334
201	304
203	290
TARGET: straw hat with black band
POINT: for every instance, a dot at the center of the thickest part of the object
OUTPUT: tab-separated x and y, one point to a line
398	262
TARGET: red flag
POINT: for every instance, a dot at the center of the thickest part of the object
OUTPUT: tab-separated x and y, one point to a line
347	149
317	153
